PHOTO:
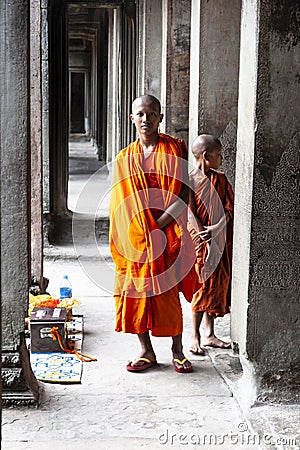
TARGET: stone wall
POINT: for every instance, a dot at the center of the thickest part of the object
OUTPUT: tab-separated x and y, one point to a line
218	75
178	68
149	54
266	247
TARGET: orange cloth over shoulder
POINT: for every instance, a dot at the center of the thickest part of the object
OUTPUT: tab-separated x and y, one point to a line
213	197
138	246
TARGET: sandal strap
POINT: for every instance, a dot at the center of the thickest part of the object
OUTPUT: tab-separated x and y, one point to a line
142	359
180	362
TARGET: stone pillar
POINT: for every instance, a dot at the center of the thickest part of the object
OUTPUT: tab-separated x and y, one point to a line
150	44
58	108
265	309
177	68
128	43
45	105
58	223
102	69
113	80
19	384
36	222
94	90
194	73
217	60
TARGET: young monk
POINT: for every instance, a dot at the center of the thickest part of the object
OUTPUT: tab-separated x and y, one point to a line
149	241
210	225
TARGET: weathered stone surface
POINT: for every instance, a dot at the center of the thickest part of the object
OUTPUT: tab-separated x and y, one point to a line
228	141
19	385
178	69
17	376
266	248
10	359
219	65
45	105
58	115
13	379
14	171
216	58
36	233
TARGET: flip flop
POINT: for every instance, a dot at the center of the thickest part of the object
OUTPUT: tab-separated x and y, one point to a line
181	369
147	365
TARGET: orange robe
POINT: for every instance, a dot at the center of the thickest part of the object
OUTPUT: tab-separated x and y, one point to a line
213	197
152	265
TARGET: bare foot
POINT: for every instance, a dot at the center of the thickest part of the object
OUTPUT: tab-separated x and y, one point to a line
195	347
213	341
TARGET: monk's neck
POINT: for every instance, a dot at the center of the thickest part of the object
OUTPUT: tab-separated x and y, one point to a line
148	144
203	167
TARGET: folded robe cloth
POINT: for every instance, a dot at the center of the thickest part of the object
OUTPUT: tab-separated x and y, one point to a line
138	246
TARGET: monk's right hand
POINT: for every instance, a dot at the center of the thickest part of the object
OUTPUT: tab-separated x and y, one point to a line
205	234
199	238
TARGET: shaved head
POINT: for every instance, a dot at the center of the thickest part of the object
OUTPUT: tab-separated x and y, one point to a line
205	143
147	100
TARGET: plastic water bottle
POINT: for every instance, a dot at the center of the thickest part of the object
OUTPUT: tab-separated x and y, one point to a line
65	289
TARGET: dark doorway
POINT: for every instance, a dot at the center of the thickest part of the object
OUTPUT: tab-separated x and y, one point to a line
77	102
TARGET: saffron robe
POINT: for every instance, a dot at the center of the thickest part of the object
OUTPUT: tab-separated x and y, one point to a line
213	197
152	265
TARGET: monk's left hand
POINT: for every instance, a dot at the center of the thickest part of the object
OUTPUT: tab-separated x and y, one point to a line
212	231
205	234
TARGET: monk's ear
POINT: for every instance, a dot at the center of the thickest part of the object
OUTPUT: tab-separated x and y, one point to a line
161	118
205	155
131	117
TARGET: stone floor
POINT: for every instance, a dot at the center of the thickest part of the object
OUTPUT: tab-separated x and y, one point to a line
87	177
114	409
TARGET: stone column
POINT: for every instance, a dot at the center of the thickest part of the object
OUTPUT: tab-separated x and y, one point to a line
45	104
265	309
19	384
94	90
128	43
58	223
178	24
216	58
102	69
113	83
58	110
36	142
194	73
150	44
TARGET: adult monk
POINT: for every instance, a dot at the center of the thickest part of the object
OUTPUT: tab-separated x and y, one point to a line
211	228
150	245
